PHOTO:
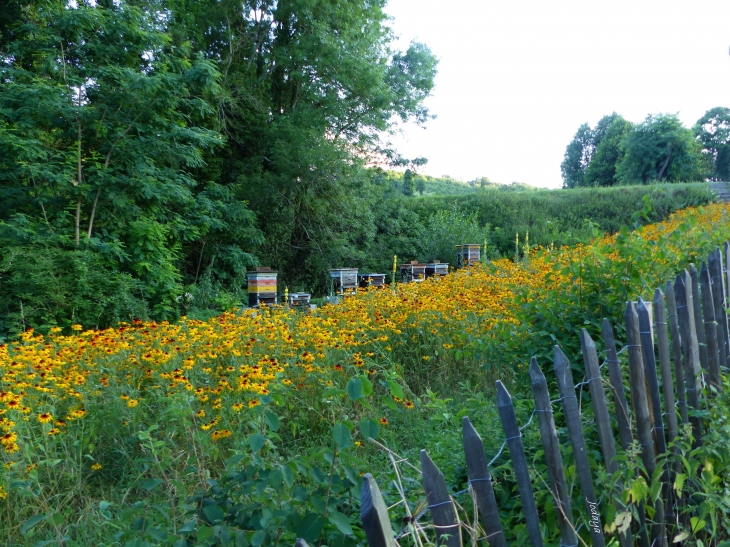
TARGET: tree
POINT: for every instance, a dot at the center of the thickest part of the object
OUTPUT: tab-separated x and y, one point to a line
713	131
601	170
661	149
577	156
104	130
409	184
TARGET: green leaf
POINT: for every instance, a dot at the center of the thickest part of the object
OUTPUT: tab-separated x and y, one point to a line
272	420
152	484
389	402
367	385
341	522
258	538
342	436
396	389
369	429
310	527
188	527
32	521
355	389
204	533
213	513
256	441
157	534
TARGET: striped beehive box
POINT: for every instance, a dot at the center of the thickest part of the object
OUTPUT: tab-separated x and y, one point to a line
412	272
344	280
372	280
436	268
467	254
261	287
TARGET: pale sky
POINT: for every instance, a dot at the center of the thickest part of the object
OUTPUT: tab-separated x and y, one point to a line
517	78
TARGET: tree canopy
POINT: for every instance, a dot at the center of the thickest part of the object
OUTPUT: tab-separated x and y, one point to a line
165	143
659	149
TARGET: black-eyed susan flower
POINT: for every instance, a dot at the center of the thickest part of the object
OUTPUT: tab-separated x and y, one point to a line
45	417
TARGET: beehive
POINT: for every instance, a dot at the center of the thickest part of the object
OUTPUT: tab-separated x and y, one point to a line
344	280
467	254
413	272
261	287
436	268
299	299
372	280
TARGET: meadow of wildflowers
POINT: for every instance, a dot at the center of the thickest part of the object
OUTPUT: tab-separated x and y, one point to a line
143	411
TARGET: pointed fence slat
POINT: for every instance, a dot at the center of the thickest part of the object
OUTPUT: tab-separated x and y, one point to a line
440	505
690	350
551	444
603	421
640	403
718	296
374	515
652	382
480	481
665	367
677	353
519	463
617	387
726	276
575	430
699	323
300	543
711	326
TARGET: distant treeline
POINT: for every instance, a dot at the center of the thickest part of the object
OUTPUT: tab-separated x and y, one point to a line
659	149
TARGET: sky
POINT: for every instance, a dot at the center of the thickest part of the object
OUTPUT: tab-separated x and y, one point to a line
518	77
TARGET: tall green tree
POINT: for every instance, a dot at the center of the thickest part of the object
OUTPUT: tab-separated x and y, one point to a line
601	170
661	149
577	156
104	129
713	131
311	91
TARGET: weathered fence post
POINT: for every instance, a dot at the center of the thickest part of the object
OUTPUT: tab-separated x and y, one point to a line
374	515
677	354
575	429
690	349
711	327
617	386
640	403
647	351
697	312
519	462
665	367
603	421
440	505
718	295
480	481
556	473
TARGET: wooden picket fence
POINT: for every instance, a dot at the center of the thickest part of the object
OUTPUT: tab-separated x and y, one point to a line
690	333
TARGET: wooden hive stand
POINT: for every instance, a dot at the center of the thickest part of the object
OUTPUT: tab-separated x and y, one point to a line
436	268
412	272
467	254
371	280
261	287
344	280
299	300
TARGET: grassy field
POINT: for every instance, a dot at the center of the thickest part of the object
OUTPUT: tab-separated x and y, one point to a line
252	429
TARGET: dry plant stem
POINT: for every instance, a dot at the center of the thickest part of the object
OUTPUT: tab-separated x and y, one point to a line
412	525
389	451
560	508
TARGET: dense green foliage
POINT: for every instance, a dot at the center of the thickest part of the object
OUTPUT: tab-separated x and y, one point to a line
158	144
556	217
660	149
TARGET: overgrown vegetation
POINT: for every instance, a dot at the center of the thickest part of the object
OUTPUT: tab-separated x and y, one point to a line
253	429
